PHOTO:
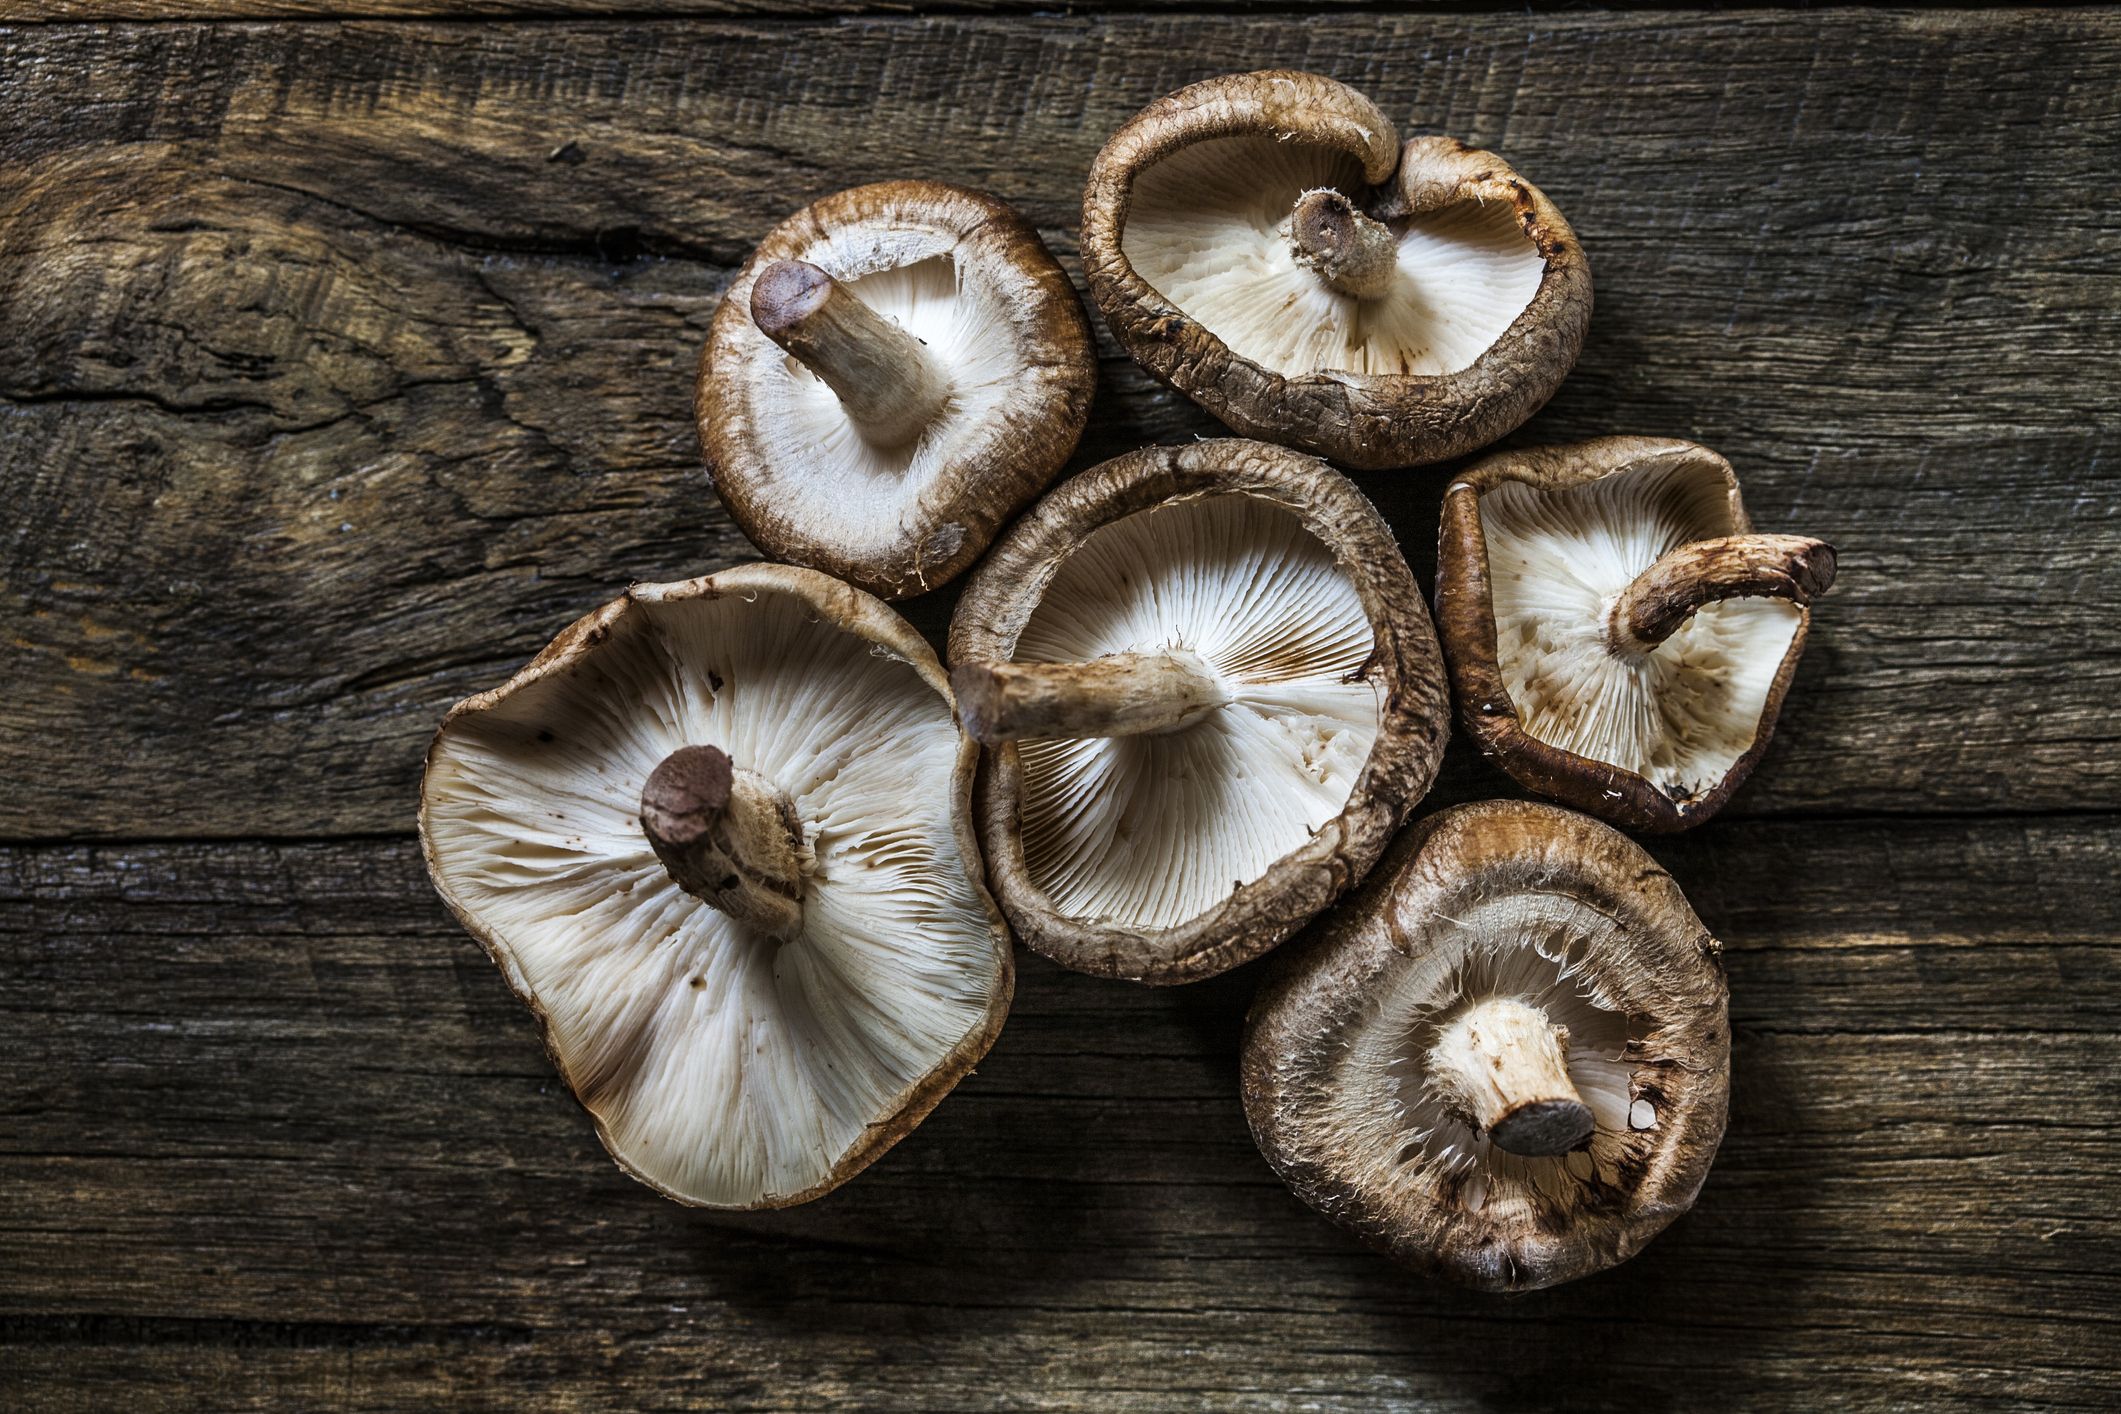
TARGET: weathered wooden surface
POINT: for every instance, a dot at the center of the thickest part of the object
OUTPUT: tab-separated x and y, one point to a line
290	1132
345	363
60	11
370	364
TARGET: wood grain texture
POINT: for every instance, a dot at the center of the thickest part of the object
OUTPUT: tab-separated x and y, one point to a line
344	364
347	364
278	1134
166	11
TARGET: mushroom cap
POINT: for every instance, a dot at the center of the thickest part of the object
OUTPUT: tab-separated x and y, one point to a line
1185	244
723	1069
963	272
1534	544
1171	858
1496	899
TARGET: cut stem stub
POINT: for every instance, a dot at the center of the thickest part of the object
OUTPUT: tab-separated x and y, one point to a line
884	377
1351	252
1503	1068
1664	596
1120	694
728	836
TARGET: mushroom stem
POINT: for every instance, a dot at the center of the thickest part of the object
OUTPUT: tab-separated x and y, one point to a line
1351	252
728	836
1664	596
1503	1068
1120	694
883	375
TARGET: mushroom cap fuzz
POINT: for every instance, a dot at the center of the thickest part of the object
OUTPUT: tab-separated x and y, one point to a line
1191	254
1172	856
1536	552
724	1066
1007	345
1518	902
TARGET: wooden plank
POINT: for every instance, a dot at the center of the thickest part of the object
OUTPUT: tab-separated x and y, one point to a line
165	11
80	11
348	363
276	1134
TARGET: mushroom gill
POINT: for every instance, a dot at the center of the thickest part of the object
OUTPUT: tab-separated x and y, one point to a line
894	372
1208	690
1506	1059
1679	713
1210	229
732	1056
1401	1111
1149	830
860	480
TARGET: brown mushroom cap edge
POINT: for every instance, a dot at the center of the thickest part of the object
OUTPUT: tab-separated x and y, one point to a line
1006	589
856	613
1665	970
1362	420
1465	617
994	464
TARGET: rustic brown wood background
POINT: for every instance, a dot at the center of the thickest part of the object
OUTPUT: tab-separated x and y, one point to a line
345	358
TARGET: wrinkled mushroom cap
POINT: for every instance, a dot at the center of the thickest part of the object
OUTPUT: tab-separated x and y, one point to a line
1170	858
723	1068
1497	899
1185	243
964	273
1534	546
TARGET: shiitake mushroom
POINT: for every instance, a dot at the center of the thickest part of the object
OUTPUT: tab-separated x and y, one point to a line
1620	638
896	371
716	837
1210	692
1505	1059
1266	244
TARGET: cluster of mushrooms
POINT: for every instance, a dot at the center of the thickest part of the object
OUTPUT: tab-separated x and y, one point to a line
754	858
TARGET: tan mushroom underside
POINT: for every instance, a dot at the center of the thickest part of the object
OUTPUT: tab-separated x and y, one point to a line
1231	235
1620	640
1210	843
1679	715
724	1066
1010	372
1503	899
1148	831
1209	231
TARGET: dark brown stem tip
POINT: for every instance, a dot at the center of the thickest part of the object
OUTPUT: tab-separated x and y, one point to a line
1543	1128
977	688
1813	570
1351	252
787	295
686	794
1324	222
